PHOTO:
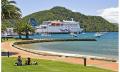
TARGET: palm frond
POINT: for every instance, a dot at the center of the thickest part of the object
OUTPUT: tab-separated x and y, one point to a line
9	10
13	2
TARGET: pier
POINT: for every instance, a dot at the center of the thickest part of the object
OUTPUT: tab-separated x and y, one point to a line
52	40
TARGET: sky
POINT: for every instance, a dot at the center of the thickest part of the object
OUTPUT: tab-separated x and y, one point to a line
108	9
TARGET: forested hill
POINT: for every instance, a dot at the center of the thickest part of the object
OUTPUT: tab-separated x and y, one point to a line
89	23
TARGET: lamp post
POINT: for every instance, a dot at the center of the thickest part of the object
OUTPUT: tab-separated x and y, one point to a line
85	59
8	53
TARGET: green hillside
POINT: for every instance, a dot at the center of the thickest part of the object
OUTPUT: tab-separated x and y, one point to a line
89	23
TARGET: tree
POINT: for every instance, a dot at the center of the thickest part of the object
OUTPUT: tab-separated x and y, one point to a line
27	29
18	28
9	13
9	10
23	28
4	25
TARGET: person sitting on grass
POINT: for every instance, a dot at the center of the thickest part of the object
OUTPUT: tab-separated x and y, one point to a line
19	61
28	61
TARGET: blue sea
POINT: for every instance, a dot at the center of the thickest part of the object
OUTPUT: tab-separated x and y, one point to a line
105	46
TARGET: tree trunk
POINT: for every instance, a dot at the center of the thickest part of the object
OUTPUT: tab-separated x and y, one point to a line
27	35
20	36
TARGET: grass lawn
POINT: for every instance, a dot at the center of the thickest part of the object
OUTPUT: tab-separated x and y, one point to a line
9	39
46	66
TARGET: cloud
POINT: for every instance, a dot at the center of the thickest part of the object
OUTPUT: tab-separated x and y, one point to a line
110	14
74	10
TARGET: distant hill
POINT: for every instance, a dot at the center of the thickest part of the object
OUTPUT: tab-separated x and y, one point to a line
89	23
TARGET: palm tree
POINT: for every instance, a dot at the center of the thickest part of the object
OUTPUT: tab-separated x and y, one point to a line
9	10
9	13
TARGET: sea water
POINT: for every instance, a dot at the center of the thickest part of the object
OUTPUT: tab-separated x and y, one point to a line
105	46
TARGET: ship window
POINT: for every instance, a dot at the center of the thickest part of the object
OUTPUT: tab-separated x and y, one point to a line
43	27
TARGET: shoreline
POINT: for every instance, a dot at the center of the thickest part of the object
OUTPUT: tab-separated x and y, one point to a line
16	44
65	54
90	62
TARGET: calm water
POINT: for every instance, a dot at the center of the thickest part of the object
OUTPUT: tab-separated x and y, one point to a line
105	46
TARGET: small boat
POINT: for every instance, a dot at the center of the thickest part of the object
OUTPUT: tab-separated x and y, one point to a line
99	34
83	33
44	34
73	34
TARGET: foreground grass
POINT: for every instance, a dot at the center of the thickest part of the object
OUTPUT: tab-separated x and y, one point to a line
9	39
46	66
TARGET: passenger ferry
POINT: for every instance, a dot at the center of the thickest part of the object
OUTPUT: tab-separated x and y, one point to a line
59	27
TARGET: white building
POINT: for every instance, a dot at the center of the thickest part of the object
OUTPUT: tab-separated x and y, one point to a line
8	32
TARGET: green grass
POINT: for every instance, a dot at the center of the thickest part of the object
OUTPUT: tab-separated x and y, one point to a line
46	66
9	39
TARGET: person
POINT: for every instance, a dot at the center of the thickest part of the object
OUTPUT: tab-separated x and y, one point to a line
28	61
19	61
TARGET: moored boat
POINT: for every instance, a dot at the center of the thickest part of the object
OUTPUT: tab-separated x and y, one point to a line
59	27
